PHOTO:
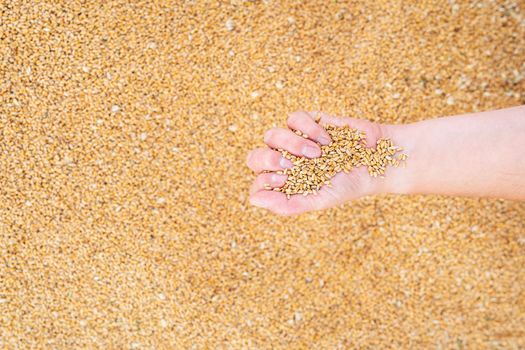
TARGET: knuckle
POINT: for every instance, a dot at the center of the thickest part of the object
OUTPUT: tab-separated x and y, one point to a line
267	162
273	158
294	118
269	159
269	134
315	132
269	180
297	144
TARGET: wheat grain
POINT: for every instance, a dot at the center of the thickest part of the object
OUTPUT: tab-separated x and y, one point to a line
346	151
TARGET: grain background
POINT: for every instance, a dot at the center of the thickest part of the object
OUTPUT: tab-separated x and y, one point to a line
124	219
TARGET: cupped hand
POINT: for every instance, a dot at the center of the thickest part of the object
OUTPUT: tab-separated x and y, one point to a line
267	161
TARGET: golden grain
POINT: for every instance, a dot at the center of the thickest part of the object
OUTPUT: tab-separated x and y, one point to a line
346	151
87	251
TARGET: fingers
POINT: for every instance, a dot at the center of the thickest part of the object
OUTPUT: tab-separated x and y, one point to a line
305	123
267	181
295	144
262	159
279	204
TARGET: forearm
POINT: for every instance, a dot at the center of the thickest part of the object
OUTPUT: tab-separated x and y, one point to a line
479	154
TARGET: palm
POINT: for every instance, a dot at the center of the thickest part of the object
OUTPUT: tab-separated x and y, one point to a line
345	186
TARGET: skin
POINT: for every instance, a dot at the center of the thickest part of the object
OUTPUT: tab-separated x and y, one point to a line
478	154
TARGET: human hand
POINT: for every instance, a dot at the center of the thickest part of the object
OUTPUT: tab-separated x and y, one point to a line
267	160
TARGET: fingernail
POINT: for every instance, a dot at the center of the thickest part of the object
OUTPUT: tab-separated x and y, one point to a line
324	141
311	151
286	163
278	179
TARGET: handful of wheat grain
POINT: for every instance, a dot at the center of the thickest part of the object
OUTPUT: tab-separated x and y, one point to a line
346	151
